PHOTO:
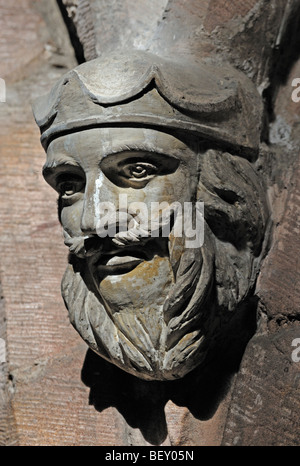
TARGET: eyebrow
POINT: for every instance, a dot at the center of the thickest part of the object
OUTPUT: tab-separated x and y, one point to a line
135	147
60	161
51	164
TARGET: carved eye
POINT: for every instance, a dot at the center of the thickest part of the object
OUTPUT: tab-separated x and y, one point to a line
139	170
135	169
68	186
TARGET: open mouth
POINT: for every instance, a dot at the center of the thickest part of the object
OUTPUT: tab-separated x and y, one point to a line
110	260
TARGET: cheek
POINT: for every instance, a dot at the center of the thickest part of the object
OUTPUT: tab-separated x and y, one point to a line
71	218
171	188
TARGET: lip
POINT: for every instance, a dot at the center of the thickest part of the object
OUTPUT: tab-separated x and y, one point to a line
119	262
120	266
110	260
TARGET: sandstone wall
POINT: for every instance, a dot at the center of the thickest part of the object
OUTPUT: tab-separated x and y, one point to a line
52	392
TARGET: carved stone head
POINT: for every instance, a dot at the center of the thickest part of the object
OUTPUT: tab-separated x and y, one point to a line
160	203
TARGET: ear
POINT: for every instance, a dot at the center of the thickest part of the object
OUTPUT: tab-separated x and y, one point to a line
236	212
234	199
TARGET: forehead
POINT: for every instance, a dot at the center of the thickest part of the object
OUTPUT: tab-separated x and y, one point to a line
84	147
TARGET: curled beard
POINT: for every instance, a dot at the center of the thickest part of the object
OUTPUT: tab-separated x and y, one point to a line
184	318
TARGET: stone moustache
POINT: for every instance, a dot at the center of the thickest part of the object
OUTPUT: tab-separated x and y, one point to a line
157	131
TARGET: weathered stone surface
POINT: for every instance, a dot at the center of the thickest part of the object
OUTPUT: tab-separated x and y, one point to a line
43	400
265	408
8	434
277	286
36	325
233	31
134	25
15	54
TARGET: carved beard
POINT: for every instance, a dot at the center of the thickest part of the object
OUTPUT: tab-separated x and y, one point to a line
209	283
164	344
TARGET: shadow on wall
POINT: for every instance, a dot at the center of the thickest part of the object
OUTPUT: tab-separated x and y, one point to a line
142	403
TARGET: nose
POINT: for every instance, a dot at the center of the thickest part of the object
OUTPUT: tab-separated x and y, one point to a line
98	195
88	219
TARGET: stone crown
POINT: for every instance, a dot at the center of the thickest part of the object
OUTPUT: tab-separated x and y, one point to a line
215	102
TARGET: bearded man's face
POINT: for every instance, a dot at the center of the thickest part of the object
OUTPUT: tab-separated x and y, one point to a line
138	296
